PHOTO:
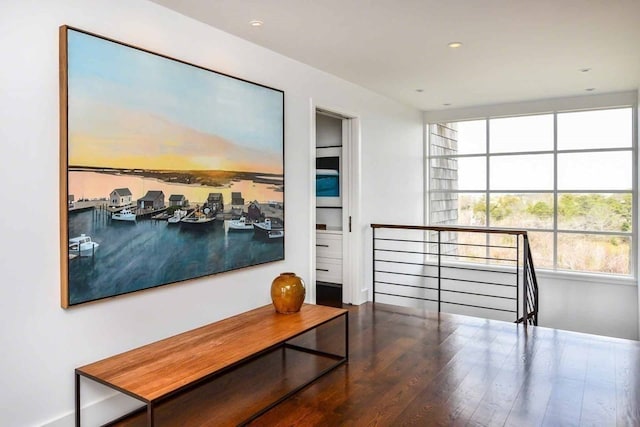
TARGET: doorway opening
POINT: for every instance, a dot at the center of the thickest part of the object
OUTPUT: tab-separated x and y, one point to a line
336	176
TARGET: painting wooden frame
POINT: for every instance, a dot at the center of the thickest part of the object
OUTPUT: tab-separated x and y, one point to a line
169	171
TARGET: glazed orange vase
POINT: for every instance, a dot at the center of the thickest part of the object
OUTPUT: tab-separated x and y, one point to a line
287	293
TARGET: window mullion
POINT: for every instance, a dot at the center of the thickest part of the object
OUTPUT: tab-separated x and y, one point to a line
427	163
634	194
487	181
555	190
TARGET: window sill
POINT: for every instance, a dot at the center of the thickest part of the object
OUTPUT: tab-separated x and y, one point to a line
604	279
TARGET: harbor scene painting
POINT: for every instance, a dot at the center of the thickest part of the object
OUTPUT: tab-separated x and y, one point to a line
169	171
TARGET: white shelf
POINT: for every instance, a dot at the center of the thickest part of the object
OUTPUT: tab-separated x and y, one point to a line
330	230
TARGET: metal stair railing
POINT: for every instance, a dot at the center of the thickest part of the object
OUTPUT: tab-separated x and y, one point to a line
455	267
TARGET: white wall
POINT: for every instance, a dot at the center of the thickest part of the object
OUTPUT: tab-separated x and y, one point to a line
328	131
42	343
589	304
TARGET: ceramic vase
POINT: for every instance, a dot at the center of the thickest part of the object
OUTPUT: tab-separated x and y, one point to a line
287	293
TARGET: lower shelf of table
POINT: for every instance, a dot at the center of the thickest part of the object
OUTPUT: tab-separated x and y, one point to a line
229	399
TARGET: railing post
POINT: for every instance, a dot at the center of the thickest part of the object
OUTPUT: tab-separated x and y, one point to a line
518	277
535	304
525	287
439	271
373	263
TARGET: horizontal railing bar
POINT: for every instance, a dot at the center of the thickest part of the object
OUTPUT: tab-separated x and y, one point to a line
406	286
481	282
444	266
447	302
406	240
404	262
476	269
479	257
480	295
479	245
406	296
462	229
479	306
406	274
395	251
427	242
444	278
445	290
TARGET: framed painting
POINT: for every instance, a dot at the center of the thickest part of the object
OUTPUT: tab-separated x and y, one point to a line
328	181
169	171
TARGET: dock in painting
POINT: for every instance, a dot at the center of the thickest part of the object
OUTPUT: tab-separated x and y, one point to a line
166	237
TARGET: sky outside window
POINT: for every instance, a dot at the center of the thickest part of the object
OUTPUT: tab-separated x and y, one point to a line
595	129
516	134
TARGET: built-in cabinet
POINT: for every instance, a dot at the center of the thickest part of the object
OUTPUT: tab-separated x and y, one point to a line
329	267
329	256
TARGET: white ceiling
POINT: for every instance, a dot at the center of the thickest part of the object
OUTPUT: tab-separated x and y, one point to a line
514	50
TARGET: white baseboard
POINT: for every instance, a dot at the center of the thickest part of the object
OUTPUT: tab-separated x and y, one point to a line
100	412
363	297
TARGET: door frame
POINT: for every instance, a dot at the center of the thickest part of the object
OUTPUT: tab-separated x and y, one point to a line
352	290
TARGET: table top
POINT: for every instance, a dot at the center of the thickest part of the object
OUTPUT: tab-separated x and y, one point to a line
157	369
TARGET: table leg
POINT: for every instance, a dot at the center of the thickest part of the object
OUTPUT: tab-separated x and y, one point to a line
150	419
346	335
77	400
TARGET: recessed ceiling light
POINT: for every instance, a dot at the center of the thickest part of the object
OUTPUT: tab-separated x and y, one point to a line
256	23
590	89
454	45
419	90
585	70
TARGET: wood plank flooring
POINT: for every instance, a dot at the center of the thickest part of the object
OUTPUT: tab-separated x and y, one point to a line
416	368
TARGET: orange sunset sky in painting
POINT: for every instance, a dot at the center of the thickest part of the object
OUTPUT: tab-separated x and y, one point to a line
133	110
114	137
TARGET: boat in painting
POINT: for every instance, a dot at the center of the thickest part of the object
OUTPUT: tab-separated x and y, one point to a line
178	215
240	225
125	214
199	218
82	246
268	230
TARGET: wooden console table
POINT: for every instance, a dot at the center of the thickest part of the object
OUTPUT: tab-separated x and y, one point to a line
164	368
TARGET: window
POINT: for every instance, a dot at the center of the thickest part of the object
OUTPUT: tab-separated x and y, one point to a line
566	177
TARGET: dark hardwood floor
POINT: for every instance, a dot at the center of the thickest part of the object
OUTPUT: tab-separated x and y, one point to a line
409	367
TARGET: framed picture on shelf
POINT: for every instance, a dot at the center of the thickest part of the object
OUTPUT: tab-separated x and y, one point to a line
328	177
